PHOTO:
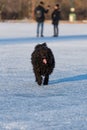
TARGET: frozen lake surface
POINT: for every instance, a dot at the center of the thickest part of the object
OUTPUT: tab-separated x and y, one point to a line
62	105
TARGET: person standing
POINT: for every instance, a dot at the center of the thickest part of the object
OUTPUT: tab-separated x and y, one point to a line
55	19
40	17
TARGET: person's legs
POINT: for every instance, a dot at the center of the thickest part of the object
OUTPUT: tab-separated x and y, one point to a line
38	26
42	25
57	31
54	30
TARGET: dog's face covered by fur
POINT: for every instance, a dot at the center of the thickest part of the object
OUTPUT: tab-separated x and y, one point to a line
42	60
42	53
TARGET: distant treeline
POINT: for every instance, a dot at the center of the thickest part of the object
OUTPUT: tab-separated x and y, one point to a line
19	9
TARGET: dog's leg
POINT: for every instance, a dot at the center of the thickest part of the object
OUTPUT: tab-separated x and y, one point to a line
46	79
39	80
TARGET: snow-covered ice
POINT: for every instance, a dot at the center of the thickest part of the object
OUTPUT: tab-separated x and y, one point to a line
62	105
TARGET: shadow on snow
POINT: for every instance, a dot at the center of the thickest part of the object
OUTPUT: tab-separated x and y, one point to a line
69	79
41	39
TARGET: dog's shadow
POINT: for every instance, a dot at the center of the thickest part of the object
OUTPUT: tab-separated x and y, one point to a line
69	79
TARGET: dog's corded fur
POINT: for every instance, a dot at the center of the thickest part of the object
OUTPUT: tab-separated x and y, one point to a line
43	63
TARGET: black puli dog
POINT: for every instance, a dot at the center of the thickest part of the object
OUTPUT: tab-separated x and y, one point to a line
43	63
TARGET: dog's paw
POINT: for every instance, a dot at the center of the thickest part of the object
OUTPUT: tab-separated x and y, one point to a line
39	80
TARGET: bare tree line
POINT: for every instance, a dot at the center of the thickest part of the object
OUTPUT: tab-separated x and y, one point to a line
19	9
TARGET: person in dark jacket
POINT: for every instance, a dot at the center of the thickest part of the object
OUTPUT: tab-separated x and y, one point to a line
55	19
40	17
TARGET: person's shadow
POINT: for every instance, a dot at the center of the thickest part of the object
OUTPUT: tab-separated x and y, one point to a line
69	79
